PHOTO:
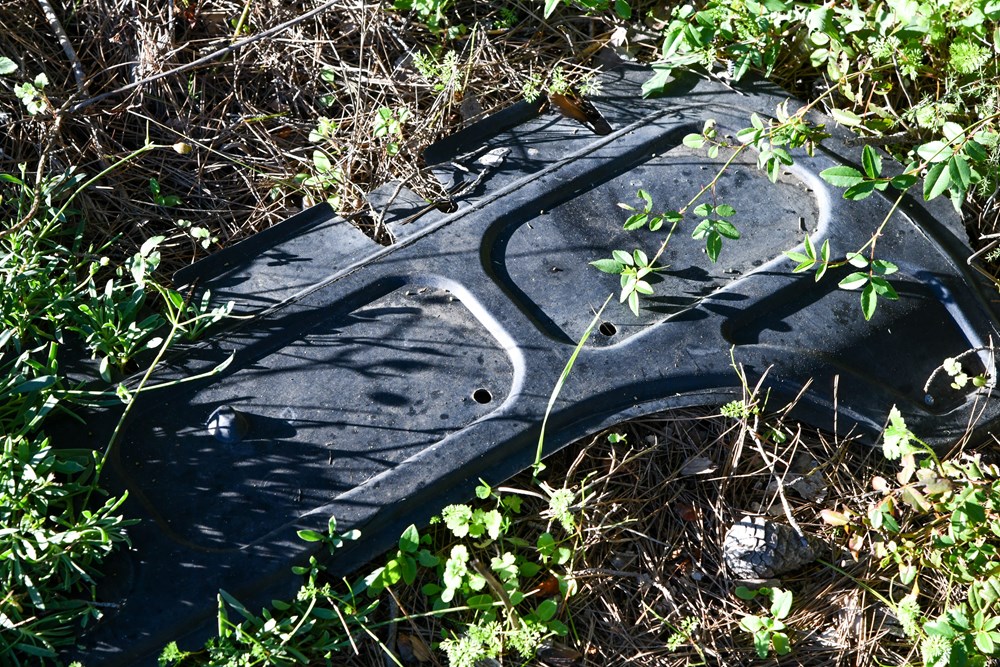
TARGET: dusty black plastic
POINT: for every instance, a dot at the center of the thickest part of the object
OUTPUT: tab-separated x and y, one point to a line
379	383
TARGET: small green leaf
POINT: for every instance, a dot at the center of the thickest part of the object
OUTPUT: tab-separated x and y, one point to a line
701	230
633	303
884	267
857	260
662	74
854	280
869	300
7	66
725	210
845	117
713	245
936	181
695	141
975	151
546	610
622	256
781	603
726	228
409	541
842	177
310	535
703	210
640	258
871	161
903	181
883	288
608	265
744	593
958	170
859	191
934	151
322	162
781	643
636	221
762	643
810	248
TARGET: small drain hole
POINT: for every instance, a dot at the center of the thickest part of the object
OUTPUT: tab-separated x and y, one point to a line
482	396
608	329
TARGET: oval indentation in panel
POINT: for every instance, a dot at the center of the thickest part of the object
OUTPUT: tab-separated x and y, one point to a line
546	254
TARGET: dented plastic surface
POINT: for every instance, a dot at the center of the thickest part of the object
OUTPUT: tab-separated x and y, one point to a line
379	383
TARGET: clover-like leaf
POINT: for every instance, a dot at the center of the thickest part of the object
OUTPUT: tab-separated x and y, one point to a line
695	141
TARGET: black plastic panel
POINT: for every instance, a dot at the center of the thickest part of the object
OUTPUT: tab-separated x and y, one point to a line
380	383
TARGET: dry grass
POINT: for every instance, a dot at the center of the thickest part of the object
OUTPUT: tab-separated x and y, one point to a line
248	113
649	552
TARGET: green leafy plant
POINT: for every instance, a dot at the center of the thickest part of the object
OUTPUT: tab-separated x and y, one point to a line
476	578
319	621
326	177
621	7
167	201
54	533
32	94
768	631
431	12
200	235
713	229
444	72
940	522
388	124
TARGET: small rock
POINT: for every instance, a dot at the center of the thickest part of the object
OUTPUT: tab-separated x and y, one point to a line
756	548
698	465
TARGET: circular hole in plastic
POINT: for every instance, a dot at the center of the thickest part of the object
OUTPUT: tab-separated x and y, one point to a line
482	396
608	329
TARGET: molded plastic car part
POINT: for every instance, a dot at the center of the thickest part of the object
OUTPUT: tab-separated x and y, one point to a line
378	383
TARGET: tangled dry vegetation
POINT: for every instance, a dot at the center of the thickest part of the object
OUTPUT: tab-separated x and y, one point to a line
247	114
650	557
659	503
